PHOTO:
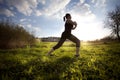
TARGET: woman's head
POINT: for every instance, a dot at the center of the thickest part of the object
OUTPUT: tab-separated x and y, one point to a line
67	16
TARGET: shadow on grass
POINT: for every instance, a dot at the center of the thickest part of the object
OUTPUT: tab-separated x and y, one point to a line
35	69
52	70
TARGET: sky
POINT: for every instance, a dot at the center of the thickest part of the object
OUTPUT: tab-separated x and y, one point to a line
44	18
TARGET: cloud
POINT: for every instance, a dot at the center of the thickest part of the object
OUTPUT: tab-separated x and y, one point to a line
82	12
99	3
28	7
54	6
42	1
6	12
33	29
21	20
25	7
81	9
82	1
38	13
50	7
29	25
85	9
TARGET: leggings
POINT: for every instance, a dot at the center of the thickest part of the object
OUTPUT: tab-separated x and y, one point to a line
64	37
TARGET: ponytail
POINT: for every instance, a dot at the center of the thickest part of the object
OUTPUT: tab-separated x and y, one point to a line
64	18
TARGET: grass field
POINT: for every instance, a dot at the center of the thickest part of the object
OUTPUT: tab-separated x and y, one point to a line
98	61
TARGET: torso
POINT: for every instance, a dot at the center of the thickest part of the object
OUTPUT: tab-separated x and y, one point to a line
68	28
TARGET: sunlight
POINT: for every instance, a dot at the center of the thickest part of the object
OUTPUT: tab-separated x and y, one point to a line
88	28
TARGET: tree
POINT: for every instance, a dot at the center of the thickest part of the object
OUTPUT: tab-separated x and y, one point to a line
113	22
14	36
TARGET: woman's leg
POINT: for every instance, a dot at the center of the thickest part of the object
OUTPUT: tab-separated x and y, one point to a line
61	41
77	41
59	44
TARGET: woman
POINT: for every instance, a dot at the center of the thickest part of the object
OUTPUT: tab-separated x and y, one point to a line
69	26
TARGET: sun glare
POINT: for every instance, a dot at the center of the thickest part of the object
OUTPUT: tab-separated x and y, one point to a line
88	28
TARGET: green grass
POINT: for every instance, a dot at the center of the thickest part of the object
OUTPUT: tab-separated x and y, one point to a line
98	61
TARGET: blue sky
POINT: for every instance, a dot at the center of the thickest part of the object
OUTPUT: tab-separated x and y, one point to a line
44	18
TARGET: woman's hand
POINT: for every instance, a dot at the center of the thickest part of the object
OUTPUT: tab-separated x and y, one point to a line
74	25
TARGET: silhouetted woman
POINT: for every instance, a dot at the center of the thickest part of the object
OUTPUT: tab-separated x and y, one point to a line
69	26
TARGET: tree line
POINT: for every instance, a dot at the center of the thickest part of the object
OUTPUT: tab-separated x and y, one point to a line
14	36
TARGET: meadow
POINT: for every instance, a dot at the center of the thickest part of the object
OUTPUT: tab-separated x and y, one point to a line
97	61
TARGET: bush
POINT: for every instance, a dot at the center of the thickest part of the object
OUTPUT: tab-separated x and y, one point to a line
14	36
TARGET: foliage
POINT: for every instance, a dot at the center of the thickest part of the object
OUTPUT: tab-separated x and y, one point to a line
98	61
12	35
113	22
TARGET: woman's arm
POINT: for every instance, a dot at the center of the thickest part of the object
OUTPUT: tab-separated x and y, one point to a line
73	23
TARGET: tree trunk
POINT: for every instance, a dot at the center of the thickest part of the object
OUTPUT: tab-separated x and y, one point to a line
118	36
